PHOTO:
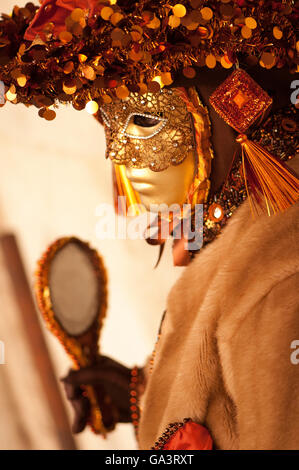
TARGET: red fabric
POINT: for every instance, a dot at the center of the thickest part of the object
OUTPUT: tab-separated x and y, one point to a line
191	436
56	11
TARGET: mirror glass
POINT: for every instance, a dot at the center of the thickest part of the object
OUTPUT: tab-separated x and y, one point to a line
74	289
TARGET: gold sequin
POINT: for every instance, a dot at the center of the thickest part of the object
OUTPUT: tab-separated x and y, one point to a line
82	58
122	92
154	24
116	18
227	11
166	78
92	107
65	36
11	93
22	80
225	62
211	61
179	10
277	33
153	87
206	13
246	32
189	72
77	14
49	115
268	60
69	87
68	68
106	12
174	21
107	99
251	23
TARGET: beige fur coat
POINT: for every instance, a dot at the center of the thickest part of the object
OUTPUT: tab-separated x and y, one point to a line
224	356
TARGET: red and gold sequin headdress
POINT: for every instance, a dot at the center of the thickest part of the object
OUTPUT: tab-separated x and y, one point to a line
86	51
89	52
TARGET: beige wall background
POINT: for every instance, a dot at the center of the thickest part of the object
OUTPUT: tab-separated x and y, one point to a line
53	175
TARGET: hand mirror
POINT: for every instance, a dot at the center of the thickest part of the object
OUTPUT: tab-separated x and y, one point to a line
71	291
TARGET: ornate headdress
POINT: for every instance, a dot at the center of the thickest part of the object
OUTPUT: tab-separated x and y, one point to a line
86	51
91	52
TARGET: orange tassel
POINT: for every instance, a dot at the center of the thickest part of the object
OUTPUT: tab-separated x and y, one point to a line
267	178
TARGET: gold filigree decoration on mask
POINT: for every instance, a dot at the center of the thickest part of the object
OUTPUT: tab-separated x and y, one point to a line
202	155
165	143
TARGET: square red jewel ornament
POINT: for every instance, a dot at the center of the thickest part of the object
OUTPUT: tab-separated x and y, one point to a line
240	101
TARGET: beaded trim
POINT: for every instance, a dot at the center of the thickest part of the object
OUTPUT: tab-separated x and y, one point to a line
134	407
168	433
105	118
152	360
279	133
221	206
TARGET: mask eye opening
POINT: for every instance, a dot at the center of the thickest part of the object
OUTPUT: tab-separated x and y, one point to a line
160	120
